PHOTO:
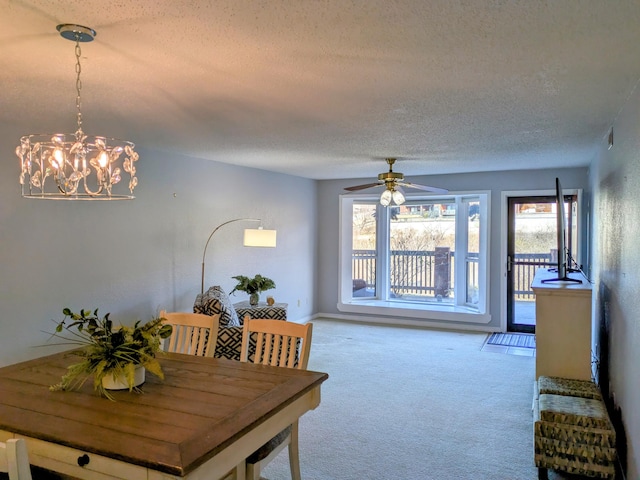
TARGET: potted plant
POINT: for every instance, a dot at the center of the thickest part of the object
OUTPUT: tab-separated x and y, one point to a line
253	286
111	354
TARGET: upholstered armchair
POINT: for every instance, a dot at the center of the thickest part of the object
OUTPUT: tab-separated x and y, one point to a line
215	301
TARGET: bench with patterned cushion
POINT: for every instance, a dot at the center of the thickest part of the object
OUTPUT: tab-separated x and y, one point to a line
572	429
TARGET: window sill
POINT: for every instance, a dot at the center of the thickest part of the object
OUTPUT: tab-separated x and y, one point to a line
449	313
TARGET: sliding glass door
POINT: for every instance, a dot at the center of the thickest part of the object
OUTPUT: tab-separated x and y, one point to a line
532	244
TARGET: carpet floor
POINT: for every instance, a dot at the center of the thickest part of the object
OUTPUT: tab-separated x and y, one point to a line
414	404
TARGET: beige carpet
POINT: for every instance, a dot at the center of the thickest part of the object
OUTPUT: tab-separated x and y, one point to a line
414	404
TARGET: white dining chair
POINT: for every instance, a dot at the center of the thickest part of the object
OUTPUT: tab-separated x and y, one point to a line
281	344
14	459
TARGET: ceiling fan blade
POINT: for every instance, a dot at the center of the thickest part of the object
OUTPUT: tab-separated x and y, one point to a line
362	187
423	187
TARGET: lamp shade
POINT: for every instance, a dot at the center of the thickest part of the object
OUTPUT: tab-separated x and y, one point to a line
259	237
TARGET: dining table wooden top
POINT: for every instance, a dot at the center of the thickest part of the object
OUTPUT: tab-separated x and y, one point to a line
202	407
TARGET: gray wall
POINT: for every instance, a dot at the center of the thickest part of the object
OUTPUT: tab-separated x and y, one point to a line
496	182
615	179
132	258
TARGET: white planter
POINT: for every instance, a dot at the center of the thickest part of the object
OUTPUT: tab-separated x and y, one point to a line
110	382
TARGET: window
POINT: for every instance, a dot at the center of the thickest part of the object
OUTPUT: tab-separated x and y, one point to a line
364	249
424	259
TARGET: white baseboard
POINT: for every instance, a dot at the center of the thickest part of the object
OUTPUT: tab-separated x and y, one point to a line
408	322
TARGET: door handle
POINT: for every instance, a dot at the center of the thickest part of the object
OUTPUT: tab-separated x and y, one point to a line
509	263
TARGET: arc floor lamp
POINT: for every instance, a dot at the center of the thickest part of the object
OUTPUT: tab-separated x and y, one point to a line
253	237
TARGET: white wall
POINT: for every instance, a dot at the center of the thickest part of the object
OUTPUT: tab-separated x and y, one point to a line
132	258
615	178
496	182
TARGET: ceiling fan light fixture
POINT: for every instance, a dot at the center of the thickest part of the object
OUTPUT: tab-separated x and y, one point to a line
385	198
392	181
398	196
76	166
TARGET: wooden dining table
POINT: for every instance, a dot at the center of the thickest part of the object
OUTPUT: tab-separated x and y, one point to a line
200	422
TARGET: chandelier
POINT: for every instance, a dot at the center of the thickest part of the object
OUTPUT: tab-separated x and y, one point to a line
76	166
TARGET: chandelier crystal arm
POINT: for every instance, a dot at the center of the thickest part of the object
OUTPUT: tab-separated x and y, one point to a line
204	253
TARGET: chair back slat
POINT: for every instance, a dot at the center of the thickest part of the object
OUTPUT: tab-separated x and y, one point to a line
278	343
270	350
193	333
289	353
257	356
189	340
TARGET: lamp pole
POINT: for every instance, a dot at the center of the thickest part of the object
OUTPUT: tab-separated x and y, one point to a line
214	231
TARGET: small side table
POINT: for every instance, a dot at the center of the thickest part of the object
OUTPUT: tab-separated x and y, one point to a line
277	311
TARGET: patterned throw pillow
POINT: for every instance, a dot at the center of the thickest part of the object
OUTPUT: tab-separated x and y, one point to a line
215	301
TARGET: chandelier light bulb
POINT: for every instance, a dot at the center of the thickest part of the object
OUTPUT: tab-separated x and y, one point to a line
57	159
103	159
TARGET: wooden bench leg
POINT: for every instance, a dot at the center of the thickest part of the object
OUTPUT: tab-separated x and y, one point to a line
542	474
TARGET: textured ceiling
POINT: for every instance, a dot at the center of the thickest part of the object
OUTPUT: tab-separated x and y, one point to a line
326	89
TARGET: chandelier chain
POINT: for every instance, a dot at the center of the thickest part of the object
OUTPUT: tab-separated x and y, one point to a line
78	83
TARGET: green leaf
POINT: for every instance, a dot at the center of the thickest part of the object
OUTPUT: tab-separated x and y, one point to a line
256	284
166	331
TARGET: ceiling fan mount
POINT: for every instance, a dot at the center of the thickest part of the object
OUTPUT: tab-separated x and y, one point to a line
392	181
390	176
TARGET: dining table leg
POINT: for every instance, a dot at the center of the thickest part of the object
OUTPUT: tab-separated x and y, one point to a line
238	473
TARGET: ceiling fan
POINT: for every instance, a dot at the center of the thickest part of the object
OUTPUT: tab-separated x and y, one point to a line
393	181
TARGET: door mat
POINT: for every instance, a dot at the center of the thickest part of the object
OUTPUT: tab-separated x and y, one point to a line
523	340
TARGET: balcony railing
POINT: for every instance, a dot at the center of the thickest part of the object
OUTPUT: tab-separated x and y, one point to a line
524	268
418	272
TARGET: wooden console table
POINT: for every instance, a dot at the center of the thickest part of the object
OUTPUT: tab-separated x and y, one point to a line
563	326
201	422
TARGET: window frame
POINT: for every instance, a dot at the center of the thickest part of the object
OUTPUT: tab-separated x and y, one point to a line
460	310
